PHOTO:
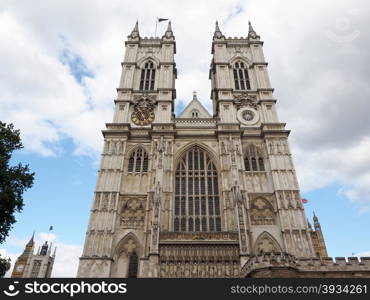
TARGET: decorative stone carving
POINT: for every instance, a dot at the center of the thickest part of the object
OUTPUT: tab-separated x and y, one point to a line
199	261
132	214
129	247
262	212
266	243
245	100
94	268
198	236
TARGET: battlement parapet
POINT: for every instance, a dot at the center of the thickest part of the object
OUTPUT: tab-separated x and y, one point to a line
305	264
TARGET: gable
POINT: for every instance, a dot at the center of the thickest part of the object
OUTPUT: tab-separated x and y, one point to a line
195	110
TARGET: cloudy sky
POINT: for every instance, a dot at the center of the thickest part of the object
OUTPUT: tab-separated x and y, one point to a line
60	66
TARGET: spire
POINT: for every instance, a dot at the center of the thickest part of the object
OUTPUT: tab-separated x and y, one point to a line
31	241
135	32
251	32
315	219
168	34
218	34
169	28
29	246
316	222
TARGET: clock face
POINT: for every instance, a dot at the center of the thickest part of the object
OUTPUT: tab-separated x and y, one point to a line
142	117
248	115
19	268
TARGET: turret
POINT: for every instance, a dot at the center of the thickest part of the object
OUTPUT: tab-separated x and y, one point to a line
135	32
218	34
318	238
316	222
168	34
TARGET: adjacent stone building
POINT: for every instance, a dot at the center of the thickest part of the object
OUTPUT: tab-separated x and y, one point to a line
200	195
30	265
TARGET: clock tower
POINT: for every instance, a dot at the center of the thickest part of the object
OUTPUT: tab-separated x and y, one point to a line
146	92
30	265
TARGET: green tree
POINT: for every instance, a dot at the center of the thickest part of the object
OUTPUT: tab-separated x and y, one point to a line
14	181
4	266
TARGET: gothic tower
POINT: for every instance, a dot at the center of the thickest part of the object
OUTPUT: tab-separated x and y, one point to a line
30	265
318	238
196	195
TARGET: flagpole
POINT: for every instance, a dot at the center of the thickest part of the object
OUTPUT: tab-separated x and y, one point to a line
156	23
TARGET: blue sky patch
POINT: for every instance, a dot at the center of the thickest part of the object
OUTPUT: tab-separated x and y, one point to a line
76	65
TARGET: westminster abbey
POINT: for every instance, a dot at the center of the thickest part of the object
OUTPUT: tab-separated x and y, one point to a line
200	194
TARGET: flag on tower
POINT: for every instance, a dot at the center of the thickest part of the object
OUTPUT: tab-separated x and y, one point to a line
304	200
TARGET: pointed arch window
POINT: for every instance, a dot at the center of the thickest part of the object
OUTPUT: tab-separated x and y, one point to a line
197	200
133	265
138	162
241	77
147	77
253	160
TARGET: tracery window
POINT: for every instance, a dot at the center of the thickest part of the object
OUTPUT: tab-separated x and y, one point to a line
197	200
138	161
36	268
241	77
253	160
133	265
147	77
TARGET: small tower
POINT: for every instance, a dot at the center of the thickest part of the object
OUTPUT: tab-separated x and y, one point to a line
22	263
30	265
318	238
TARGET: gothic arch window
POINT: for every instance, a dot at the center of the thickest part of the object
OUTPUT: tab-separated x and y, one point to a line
138	162
241	77
262	212
253	160
147	76
197	200
265	243
36	268
133	265
195	114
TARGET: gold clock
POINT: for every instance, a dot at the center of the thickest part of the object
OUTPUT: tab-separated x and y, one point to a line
143	113
142	117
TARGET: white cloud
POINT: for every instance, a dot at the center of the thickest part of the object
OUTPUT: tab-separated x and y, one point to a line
363	254
320	79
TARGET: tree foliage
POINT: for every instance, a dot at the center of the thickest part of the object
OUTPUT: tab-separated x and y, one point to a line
14	180
4	266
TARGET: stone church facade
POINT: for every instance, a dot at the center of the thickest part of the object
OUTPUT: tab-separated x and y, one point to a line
200	195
